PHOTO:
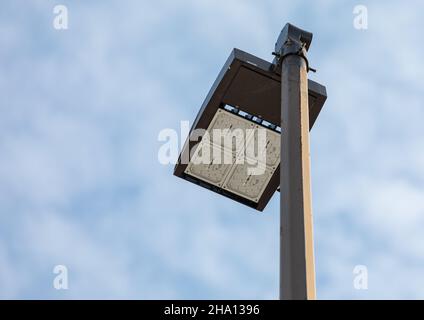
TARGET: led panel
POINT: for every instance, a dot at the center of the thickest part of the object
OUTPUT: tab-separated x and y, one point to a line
247	185
232	127
271	148
213	171
230	166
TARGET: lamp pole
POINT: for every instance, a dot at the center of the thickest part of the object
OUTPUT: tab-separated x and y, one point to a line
297	266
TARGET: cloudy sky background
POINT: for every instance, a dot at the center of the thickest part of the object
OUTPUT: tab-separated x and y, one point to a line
80	183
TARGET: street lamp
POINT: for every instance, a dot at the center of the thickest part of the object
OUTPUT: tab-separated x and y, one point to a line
252	94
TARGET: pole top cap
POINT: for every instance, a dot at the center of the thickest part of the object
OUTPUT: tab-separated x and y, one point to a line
291	32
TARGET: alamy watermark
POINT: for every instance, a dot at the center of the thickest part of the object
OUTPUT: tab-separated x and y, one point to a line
60	19
360	277
240	145
60	281
360	20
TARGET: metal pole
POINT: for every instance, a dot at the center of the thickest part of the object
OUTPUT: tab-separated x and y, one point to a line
297	267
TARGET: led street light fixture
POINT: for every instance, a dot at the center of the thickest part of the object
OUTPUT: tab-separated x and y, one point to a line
245	98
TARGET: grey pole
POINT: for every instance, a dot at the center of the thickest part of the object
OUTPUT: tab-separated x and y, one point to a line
297	267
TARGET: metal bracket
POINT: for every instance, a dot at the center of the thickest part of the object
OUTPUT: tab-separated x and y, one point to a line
292	41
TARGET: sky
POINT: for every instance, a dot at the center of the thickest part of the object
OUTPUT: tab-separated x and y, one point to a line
80	181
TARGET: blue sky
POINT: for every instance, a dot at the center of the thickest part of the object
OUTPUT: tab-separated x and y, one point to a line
80	183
